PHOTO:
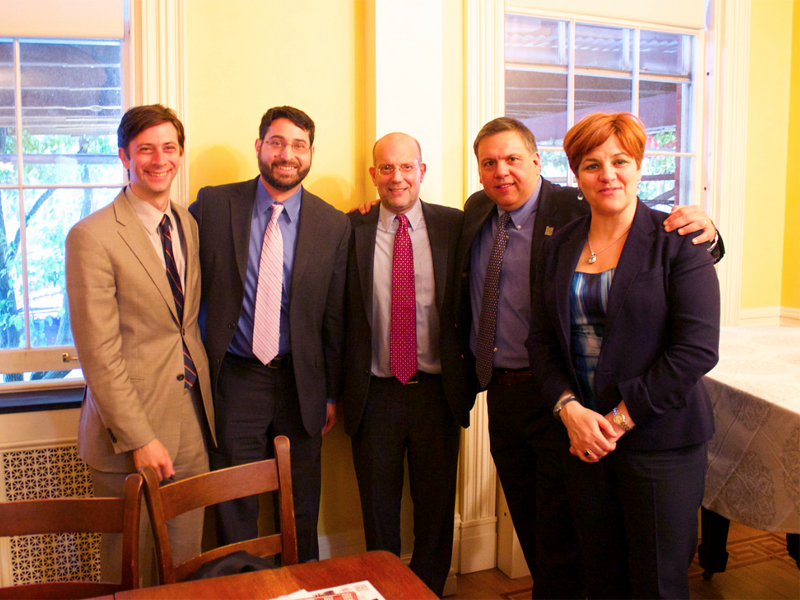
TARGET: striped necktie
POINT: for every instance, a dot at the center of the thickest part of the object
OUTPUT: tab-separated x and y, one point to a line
484	348
190	373
267	318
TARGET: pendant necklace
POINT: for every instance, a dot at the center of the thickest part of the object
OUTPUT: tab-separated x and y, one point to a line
593	258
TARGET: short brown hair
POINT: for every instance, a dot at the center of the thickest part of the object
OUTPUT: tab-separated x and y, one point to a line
295	115
594	130
501	124
139	118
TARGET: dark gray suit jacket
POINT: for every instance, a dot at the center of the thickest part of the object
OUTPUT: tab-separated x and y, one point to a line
444	229
316	309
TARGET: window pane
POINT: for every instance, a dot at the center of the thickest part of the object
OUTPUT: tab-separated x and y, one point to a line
12	328
69	375
555	166
540	100
665	109
606	94
71	107
602	47
536	41
659	174
665	53
8	142
51	213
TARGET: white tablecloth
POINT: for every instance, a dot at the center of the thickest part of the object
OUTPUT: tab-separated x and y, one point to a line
754	458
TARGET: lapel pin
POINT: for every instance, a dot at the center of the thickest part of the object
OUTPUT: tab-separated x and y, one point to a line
548	230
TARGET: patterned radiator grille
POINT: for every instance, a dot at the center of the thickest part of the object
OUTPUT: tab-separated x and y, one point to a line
54	472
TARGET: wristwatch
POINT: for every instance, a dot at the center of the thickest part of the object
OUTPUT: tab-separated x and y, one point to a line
619	419
562	403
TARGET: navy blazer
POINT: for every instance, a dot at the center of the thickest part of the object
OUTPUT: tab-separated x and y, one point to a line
661	332
444	231
316	299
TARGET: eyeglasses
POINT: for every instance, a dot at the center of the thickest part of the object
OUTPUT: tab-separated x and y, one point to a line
278	145
390	169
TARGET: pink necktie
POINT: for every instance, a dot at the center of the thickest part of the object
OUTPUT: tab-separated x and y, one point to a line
267	319
403	332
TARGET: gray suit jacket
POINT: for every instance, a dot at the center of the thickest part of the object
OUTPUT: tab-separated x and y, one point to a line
316	305
128	337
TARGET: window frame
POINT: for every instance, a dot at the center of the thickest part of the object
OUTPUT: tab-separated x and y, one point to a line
698	182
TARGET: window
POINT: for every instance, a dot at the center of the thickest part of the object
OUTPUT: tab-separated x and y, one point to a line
559	70
60	104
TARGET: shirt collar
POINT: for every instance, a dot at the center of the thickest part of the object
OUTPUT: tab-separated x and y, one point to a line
264	201
520	215
148	214
414	215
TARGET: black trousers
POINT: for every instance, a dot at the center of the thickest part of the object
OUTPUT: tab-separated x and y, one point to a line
412	420
525	443
254	404
636	517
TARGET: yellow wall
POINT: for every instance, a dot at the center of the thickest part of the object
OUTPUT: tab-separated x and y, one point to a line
790	290
767	143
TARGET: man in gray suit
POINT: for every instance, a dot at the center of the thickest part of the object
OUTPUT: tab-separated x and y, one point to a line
273	259
133	282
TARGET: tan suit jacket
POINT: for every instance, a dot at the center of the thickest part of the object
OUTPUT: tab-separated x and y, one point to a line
128	336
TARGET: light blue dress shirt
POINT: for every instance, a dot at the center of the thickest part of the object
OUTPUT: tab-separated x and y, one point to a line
514	303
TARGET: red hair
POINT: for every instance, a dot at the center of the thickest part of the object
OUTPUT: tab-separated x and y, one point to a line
594	130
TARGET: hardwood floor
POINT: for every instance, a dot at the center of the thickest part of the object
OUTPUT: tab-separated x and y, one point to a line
758	568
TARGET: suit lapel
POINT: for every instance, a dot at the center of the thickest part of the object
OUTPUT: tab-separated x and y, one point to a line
365	234
633	257
307	229
190	257
241	210
473	229
568	254
135	237
437	236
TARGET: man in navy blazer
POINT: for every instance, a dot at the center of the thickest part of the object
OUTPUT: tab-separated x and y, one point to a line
422	417
519	427
294	394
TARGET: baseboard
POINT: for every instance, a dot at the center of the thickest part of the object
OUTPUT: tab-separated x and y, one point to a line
770	316
478	545
790	317
332	545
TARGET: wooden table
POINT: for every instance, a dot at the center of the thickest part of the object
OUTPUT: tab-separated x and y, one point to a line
384	570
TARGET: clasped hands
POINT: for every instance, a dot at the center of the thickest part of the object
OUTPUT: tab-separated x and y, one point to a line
592	435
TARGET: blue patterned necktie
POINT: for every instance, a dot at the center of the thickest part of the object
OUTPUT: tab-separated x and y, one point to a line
174	278
484	348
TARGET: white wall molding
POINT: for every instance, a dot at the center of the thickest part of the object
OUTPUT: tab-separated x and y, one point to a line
158	66
770	316
478	494
484	77
729	63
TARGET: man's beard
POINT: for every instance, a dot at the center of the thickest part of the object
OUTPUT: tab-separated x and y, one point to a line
283	183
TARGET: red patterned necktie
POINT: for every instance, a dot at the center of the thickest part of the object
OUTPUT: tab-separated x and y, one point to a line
189	370
267	317
484	348
403	332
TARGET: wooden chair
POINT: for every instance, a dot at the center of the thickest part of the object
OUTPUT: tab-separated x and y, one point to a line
171	500
78	515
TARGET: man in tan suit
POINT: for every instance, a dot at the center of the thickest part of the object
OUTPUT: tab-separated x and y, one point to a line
133	281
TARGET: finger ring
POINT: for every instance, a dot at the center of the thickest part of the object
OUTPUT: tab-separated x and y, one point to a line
588	453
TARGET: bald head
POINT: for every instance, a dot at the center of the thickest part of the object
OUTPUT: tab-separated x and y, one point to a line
397	171
399	137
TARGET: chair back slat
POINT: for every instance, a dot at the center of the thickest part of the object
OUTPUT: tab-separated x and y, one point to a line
78	515
208	489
